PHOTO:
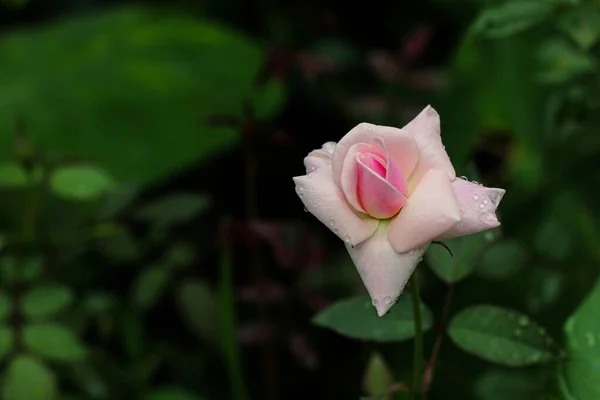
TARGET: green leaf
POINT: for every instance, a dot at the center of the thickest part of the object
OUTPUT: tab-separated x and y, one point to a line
7	338
503	336
6	306
465	250
158	77
53	341
46	300
561	62
269	99
552	239
198	307
502	260
583	346
81	182
174	209
356	318
502	384
172	393
582	24
511	17
27	379
13	175
378	377
32	268
149	286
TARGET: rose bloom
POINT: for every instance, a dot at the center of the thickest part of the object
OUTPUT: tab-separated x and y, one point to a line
388	193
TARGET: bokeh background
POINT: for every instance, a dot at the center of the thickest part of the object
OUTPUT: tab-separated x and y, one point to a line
153	246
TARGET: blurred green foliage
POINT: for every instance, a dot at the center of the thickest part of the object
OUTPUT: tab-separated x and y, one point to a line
151	246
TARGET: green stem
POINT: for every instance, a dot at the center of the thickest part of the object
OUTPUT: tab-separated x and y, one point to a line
228	326
418	347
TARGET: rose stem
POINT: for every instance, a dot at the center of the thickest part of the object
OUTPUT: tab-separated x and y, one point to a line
429	370
418	344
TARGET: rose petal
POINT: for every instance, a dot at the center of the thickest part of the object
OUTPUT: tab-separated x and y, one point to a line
401	147
431	210
376	195
478	206
325	200
319	158
425	129
383	271
392	173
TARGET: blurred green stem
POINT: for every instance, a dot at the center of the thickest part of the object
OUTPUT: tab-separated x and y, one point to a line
228	324
418	344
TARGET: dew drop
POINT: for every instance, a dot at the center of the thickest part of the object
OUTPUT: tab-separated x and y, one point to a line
305	209
313	168
523	321
475	197
464	177
374	302
300	188
488	218
485	201
331	223
475	182
481	205
347	239
388	300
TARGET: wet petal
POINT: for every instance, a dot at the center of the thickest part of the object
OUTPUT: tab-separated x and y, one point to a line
325	200
431	210
478	206
425	129
319	158
383	271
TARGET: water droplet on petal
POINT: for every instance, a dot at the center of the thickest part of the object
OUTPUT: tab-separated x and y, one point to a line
475	182
331	223
374	302
475	197
313	168
347	239
464	177
481	205
300	188
388	300
485	201
305	209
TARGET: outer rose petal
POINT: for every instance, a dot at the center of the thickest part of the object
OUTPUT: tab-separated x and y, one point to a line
478	206
319	158
383	271
425	129
325	200
431	210
400	146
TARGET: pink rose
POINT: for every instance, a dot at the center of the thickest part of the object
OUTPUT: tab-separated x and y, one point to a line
388	193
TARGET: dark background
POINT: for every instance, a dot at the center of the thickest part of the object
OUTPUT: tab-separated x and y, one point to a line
199	113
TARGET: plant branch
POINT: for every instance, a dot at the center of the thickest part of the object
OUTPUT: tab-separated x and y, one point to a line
418	343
